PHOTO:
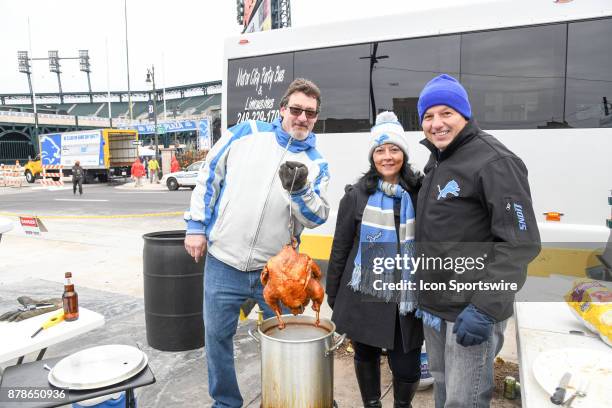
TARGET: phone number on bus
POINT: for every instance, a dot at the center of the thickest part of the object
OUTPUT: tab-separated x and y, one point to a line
266	116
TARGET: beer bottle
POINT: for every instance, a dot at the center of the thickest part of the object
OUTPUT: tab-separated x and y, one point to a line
70	299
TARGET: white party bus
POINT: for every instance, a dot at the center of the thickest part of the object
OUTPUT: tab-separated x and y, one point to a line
538	74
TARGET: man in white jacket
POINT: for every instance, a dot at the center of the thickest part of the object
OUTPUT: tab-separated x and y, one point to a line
239	215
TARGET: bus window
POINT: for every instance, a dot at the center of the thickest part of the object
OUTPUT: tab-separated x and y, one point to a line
408	66
589	74
342	75
515	77
256	85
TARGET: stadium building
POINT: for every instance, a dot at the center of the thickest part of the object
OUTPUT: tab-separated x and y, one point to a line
178	108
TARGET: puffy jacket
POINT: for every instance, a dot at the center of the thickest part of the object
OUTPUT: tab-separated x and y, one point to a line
475	202
137	169
153	164
239	202
174	165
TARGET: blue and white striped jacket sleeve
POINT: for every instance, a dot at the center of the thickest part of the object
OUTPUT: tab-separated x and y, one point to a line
208	185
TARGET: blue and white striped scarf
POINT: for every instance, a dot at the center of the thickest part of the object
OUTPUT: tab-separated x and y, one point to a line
378	227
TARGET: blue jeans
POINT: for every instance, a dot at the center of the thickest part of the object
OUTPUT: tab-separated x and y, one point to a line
463	376
225	289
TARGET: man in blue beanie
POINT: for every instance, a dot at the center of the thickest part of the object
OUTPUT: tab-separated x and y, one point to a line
475	199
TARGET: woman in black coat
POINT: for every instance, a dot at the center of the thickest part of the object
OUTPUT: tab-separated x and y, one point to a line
369	321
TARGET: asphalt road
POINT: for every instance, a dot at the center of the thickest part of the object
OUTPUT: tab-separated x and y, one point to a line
97	200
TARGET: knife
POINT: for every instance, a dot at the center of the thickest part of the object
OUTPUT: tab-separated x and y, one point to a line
559	396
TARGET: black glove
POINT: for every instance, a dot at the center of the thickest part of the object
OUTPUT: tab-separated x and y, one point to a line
291	170
30	308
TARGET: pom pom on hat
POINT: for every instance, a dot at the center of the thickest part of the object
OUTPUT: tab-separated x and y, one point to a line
388	130
444	90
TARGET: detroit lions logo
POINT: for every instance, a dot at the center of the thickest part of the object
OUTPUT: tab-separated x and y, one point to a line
450	188
381	139
372	238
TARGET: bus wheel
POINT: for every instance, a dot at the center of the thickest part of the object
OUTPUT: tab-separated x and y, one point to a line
29	176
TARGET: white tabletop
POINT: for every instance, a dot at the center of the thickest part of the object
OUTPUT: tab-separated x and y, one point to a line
15	340
544	326
5	225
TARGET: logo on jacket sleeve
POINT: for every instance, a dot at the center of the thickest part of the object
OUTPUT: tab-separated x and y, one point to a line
522	224
450	188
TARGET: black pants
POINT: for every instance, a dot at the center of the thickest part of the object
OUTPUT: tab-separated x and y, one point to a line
406	367
78	182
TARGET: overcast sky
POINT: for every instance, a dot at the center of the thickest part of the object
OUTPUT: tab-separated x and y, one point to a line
183	38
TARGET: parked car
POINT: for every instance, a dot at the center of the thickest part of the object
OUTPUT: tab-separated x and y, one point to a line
183	178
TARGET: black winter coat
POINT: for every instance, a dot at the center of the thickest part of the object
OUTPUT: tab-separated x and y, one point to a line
362	317
476	200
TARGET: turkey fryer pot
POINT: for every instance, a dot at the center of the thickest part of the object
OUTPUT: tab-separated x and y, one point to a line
297	363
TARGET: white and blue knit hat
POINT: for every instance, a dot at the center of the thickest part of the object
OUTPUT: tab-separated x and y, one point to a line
388	130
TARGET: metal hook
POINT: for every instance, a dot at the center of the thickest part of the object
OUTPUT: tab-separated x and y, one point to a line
291	223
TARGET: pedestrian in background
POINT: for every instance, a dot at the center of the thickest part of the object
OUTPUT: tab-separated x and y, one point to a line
174	165
138	172
78	174
153	169
378	209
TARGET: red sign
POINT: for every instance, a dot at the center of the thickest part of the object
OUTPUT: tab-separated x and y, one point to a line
32	225
28	221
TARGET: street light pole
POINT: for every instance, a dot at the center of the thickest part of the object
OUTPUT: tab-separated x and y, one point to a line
127	59
54	66
24	66
151	78
85	66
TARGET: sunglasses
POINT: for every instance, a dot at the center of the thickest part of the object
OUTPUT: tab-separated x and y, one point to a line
310	114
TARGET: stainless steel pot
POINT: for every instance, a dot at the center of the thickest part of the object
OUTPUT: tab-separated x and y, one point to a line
297	363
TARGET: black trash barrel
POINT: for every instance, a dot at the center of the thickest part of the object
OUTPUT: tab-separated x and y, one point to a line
173	293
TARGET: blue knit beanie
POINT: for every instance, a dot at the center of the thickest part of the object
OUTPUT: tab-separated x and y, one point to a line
444	90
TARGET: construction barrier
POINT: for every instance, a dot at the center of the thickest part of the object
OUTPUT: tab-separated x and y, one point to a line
53	178
11	175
